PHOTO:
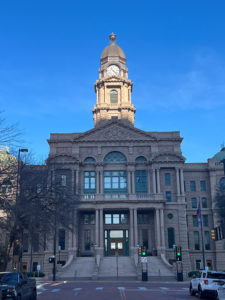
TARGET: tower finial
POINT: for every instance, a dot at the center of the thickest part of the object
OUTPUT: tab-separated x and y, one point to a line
112	37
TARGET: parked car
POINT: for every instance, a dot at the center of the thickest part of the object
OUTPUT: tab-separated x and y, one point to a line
207	284
221	292
17	286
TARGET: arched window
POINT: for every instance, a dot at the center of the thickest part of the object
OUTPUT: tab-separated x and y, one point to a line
222	184
89	160
171	239
140	159
113	97
115	157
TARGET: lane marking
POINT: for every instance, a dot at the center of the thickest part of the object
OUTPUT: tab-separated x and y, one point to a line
99	288
77	289
186	289
121	288
142	288
57	283
164	288
55	290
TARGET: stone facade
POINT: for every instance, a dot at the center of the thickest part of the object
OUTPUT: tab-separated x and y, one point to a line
132	187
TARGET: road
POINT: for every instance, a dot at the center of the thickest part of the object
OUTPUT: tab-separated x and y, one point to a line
112	290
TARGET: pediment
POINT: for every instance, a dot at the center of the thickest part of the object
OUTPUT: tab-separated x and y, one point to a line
115	131
168	157
62	158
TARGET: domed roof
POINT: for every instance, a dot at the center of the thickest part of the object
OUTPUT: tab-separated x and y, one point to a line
220	156
112	49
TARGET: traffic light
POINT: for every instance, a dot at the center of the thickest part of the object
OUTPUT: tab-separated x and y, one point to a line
51	259
178	254
139	251
143	251
214	234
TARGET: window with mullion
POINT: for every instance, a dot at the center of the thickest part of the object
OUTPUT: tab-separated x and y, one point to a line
89	182
115	181
141	181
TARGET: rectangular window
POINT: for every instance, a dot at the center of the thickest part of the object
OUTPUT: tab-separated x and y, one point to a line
143	218
87	240
34	267
207	240
193	202
167	179
192	186
168	196
203	186
116	219
115	181
88	219
196	240
204	203
35	242
141	181
89	182
205	220
198	264
25	242
63	180
61	238
171	238
195	221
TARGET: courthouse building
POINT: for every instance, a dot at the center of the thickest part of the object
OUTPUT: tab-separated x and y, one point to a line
132	187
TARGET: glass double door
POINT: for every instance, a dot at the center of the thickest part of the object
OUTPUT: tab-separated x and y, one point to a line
116	242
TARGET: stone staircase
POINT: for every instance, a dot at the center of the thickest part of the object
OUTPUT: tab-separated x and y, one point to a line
113	268
157	270
80	268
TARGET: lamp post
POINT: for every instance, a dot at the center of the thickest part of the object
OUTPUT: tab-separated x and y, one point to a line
18	202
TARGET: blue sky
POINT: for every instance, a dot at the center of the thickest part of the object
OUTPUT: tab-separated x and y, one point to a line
50	55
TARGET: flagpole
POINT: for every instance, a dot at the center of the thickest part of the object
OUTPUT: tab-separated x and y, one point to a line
203	246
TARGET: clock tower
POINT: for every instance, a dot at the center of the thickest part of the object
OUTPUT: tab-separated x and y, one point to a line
113	89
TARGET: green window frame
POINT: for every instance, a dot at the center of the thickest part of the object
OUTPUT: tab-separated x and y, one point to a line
193	202
141	181
192	186
88	219
205	220
203	185
62	239
89	182
204	202
115	181
207	240
167	179
168	196
115	218
195	221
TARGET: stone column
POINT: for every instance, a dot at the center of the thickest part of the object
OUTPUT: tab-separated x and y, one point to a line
101	229
72	180
131	233
182	181
178	181
148	180
158	181
97	227
97	181
75	231
162	229
129	182
77	182
157	225
101	181
154	181
135	228
133	182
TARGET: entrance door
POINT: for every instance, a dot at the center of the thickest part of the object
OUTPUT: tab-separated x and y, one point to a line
116	242
116	247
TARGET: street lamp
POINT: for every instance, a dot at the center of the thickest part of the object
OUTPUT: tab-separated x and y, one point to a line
17	199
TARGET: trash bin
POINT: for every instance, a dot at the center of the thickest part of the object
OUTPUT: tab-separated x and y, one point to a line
179	276
144	276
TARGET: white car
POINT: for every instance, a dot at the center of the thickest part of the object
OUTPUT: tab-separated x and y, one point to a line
221	292
207	284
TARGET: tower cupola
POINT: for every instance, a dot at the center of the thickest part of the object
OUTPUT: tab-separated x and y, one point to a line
113	88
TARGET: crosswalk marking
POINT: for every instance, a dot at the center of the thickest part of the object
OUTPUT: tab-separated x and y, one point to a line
121	288
142	288
55	290
164	288
99	288
77	289
186	289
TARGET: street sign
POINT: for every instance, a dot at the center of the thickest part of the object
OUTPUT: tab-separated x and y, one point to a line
144	259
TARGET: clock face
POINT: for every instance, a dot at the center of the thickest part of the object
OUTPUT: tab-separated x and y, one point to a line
113	70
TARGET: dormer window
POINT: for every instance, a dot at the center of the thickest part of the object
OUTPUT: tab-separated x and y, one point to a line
113	97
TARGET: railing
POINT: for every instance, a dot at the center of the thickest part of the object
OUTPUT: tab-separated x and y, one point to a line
115	196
